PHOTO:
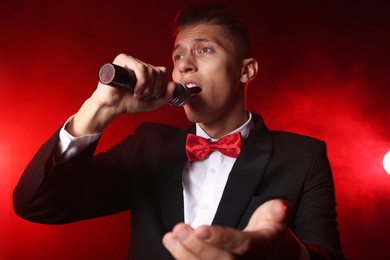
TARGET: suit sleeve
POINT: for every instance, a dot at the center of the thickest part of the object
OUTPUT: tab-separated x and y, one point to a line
316	218
79	188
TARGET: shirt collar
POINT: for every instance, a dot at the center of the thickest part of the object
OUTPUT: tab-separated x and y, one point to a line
243	129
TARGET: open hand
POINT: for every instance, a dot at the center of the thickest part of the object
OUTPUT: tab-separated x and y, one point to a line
266	232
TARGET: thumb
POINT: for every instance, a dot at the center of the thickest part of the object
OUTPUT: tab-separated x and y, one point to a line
268	226
276	213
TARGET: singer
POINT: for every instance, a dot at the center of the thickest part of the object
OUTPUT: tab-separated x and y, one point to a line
225	188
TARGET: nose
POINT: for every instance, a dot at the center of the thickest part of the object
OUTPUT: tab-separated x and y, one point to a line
187	64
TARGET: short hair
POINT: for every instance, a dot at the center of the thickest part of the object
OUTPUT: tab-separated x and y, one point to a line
216	14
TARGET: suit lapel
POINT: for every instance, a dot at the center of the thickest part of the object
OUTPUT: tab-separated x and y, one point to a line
170	181
245	176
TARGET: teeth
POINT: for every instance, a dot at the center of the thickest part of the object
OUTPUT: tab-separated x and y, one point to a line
191	85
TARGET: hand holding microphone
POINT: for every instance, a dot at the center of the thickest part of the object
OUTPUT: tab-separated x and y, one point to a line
125	79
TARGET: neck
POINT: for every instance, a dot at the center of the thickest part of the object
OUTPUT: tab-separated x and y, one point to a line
225	125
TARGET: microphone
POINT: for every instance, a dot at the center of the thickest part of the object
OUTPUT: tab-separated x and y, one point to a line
125	79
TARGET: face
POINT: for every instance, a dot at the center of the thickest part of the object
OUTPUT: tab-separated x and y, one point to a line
203	56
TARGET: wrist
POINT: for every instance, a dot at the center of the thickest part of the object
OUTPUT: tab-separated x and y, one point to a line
92	118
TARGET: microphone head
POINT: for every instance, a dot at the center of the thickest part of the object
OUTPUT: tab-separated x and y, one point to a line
182	94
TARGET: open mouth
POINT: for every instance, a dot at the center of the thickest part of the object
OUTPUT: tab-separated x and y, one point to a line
191	85
193	88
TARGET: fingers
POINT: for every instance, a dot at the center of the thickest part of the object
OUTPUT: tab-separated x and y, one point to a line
231	240
151	81
182	243
208	242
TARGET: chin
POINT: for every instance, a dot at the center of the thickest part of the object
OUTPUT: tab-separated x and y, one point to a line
194	115
192	118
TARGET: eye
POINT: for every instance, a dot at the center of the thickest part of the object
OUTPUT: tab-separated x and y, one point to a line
177	57
205	50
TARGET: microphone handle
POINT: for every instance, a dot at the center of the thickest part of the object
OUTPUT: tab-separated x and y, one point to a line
125	79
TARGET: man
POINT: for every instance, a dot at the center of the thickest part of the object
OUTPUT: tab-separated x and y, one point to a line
279	189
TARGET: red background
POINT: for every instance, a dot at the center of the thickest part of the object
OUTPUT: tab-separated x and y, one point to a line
324	72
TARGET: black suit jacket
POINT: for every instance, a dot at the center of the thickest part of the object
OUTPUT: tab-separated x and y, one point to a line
144	174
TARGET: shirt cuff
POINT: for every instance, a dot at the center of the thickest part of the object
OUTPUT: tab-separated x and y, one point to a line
70	145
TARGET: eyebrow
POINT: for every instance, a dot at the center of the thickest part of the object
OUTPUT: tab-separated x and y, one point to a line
195	40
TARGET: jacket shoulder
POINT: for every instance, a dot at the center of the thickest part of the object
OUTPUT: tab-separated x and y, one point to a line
157	129
297	146
154	135
294	138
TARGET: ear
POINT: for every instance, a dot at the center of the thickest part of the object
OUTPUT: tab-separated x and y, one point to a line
249	70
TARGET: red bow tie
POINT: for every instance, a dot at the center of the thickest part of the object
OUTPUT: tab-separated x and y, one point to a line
198	148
